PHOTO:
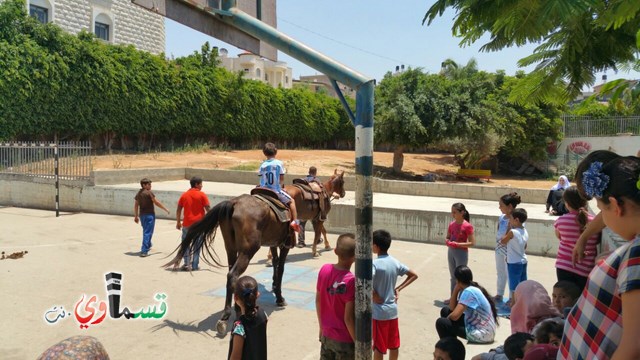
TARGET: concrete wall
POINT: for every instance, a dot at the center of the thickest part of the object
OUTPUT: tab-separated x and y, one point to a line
431	227
112	177
419	226
624	145
39	193
462	191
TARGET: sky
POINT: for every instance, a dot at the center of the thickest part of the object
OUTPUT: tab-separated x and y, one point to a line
371	37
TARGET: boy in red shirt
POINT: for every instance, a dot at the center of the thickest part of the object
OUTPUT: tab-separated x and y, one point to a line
195	203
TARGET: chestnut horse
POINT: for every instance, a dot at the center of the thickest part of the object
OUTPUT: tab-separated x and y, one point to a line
310	209
246	223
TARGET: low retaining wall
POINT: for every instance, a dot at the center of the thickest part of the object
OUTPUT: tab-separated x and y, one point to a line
412	225
431	227
126	176
461	191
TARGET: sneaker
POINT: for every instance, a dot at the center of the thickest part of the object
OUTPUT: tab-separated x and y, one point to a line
144	254
301	244
185	268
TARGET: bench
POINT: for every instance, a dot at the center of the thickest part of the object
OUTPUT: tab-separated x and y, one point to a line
474	173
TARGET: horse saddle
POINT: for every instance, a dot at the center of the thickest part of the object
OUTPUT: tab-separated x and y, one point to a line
271	198
314	193
310	190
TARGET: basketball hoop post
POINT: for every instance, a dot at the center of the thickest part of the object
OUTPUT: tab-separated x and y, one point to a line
231	15
364	154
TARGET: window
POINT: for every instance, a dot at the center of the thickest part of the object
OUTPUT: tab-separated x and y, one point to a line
266	77
286	79
103	26
102	31
40	13
258	74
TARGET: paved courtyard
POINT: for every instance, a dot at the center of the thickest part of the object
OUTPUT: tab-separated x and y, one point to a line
68	258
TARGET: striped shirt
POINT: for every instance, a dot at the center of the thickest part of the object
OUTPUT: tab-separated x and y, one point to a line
503	227
569	230
593	329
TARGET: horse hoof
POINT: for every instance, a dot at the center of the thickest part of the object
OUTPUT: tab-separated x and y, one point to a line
281	303
316	254
327	247
221	327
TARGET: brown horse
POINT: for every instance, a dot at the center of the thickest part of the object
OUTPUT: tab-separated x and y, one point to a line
310	209
246	223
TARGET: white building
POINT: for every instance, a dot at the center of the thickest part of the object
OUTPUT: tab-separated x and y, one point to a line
322	83
274	73
114	21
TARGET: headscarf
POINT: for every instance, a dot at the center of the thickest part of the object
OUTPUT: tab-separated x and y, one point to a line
559	186
532	304
76	347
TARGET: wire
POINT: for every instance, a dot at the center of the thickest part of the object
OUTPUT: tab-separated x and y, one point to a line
396	61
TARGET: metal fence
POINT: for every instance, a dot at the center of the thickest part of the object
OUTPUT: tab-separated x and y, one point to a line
586	126
39	159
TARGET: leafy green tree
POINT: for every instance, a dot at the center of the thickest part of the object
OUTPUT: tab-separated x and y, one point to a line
576	38
398	123
475	128
468	113
54	83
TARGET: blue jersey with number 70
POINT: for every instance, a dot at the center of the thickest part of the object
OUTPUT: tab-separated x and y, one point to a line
270	172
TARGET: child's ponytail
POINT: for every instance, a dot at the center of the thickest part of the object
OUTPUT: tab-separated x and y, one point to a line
583	219
247	290
572	197
494	311
464	275
460	207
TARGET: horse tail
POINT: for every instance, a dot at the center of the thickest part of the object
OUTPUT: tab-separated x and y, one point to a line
201	235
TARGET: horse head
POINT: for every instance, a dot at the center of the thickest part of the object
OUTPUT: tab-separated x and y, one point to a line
337	182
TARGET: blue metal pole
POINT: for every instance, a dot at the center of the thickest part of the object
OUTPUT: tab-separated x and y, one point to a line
336	88
364	218
364	153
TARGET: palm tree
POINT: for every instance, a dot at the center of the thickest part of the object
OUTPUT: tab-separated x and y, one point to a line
451	70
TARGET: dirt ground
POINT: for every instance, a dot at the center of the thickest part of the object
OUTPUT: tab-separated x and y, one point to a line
298	162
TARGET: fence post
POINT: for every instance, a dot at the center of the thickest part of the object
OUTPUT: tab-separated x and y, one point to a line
56	174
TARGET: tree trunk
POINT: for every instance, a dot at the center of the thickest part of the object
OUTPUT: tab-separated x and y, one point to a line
398	159
109	136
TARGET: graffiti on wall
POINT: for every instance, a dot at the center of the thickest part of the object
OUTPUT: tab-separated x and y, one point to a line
579	147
